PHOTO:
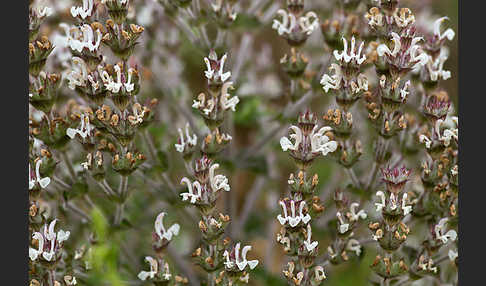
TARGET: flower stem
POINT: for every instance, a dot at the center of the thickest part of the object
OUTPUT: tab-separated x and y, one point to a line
122	190
119	213
353	177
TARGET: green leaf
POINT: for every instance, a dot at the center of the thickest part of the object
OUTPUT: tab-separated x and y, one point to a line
100	225
163	161
246	21
77	189
248	112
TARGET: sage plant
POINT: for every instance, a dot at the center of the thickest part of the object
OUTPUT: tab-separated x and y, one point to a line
226	142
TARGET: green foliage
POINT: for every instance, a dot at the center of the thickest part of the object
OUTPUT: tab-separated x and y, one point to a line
104	254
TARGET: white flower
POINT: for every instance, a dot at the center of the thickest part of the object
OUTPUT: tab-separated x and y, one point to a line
44	12
320	143
384	50
361	84
426	140
43	182
440	233
319	274
190	194
382	204
450	132
129	85
393	202
309	22
348	56
455	170
308	244
79	38
404	92
289	22
293	219
191	141
334	81
426	265
453	254
225	101
214	222
449	33
436	68
78	74
241	262
34	253
138	114
160	229
353	245
200	102
143	275
286	144
113	86
50	238
284	240
353	216
291	180
403	17
87	164
213	74
375	18
70	280
377	235
166	275
417	56
406	209
84	11
83	131
218	182
343	227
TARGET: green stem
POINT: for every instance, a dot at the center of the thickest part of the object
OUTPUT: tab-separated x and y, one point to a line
122	190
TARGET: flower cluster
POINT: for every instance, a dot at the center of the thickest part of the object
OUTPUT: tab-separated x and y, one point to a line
309	141
347	81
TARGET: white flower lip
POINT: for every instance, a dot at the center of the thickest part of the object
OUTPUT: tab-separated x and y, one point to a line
84	130
294	218
441	234
189	141
190	194
449	33
355	216
43	182
162	232
416	55
310	245
218	182
239	260
307	23
143	275
49	242
350	55
212	74
83	11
